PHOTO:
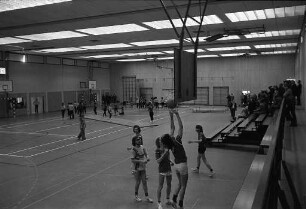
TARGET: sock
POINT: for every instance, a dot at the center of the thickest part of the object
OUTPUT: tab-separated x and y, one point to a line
136	193
181	203
174	198
146	194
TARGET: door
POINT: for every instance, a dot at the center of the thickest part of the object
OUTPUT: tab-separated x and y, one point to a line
219	94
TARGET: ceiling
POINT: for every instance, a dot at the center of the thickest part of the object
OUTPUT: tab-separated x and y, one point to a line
76	15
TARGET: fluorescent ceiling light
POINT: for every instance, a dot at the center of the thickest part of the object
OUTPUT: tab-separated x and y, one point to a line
231	37
266	13
231	55
58	50
107	46
273	33
126	28
165	58
9	5
228	48
208	55
52	36
157	42
142	54
280	52
192	50
169	52
162	24
275	45
131	60
10	40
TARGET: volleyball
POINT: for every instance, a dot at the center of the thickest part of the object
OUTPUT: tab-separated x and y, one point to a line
171	104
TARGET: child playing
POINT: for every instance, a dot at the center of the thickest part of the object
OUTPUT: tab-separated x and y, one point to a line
140	160
201	151
164	168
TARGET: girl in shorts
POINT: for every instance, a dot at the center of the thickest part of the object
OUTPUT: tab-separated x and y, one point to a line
162	155
201	151
140	160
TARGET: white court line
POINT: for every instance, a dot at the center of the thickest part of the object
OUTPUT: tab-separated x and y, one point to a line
27	124
58	141
51	150
72	124
80	181
32	133
194	204
12	155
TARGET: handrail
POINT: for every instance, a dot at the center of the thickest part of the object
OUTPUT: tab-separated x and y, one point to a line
259	190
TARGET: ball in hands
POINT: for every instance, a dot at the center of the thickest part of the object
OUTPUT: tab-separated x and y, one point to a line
171	103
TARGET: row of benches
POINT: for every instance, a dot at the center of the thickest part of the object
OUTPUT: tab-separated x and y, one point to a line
252	123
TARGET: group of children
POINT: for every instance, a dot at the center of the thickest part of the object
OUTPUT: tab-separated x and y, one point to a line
165	144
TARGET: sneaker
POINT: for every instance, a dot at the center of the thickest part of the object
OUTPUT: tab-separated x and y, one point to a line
137	199
149	200
173	204
212	173
159	206
195	170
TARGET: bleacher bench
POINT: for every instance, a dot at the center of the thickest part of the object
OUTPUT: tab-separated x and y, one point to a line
246	122
229	129
260	119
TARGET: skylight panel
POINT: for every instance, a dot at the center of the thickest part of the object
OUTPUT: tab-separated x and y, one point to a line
126	28
52	36
192	50
157	42
269	13
169	52
251	15
9	5
273	33
142	53
10	40
106	56
59	50
209	19
280	52
275	45
107	46
280	12
266	13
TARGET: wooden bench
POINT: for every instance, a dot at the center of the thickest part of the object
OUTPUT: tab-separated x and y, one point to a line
260	119
229	129
213	134
246	122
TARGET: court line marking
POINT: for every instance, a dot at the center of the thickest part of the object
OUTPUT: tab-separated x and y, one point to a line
73	136
31	133
194	204
77	182
68	145
26	124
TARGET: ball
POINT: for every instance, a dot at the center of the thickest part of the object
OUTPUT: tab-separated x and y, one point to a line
171	104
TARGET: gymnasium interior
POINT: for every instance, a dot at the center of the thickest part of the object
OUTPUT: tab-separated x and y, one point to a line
119	54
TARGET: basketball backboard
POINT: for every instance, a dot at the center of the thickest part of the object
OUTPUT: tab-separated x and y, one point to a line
6	86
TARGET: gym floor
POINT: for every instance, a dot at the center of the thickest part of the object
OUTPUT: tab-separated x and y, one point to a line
43	165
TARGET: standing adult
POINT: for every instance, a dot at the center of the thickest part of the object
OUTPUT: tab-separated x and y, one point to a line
180	158
63	109
81	135
150	109
95	108
36	103
299	92
290	104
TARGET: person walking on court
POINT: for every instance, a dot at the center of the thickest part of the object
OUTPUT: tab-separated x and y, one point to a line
162	156
180	158
81	135
201	151
104	110
109	110
140	159
63	109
